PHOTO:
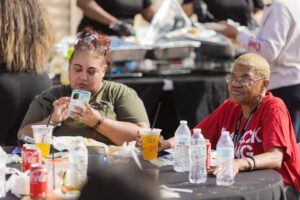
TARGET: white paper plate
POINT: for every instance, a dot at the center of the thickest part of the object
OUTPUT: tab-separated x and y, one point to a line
203	34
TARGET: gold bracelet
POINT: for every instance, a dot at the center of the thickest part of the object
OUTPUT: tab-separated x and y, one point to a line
99	122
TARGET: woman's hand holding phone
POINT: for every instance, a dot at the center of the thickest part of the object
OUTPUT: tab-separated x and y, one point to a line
60	110
80	110
76	107
86	115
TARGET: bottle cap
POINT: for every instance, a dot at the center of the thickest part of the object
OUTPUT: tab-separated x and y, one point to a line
183	122
196	130
225	132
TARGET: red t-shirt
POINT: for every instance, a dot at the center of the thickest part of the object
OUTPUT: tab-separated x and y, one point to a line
270	126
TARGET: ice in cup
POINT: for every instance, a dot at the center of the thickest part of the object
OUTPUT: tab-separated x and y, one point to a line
150	139
42	135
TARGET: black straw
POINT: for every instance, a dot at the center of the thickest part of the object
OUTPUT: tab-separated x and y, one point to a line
156	115
52	156
49	119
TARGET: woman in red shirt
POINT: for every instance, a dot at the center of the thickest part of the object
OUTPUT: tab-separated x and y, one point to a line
258	122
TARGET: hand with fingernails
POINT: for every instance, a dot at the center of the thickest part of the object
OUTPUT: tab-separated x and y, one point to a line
86	115
60	108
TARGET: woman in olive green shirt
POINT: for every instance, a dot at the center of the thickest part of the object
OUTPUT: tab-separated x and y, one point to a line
114	113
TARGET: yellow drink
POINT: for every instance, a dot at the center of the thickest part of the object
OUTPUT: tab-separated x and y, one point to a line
150	146
45	148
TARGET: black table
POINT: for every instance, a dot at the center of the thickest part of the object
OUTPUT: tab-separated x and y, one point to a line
255	185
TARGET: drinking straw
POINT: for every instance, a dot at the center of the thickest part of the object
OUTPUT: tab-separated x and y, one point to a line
52	156
49	119
156	115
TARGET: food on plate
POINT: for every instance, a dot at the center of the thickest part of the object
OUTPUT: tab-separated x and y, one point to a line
68	188
112	149
194	30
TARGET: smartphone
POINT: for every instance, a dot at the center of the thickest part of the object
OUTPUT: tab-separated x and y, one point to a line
78	98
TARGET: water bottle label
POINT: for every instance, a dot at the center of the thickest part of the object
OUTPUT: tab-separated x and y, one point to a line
183	140
198	152
225	153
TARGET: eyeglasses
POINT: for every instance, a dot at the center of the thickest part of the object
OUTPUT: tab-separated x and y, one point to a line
243	81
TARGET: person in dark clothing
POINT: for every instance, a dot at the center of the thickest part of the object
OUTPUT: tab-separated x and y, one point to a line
120	181
113	17
24	49
217	10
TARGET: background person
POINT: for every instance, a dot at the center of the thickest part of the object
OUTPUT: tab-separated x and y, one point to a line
245	12
268	138
114	113
120	182
102	14
26	39
278	40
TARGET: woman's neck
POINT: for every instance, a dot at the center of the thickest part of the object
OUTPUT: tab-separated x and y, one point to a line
248	109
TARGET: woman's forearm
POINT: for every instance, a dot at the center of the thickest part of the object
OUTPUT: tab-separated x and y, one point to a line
268	160
91	9
119	132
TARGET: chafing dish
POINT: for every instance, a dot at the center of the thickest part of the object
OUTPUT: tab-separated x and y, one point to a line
127	54
173	49
122	50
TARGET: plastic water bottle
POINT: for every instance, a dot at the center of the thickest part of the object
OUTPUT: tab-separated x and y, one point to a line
181	150
77	171
198	172
225	156
2	173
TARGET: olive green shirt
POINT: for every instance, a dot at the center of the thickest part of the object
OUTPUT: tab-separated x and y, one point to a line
114	101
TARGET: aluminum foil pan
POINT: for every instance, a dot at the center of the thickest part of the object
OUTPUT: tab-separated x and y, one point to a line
174	49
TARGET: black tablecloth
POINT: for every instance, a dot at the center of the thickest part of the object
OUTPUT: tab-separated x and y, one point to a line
255	185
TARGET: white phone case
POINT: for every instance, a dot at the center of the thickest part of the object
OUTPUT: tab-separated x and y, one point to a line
78	98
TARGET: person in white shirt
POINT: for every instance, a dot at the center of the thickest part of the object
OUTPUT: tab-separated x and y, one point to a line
278	40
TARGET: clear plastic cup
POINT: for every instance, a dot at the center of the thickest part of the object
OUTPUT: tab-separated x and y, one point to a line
150	140
42	135
60	165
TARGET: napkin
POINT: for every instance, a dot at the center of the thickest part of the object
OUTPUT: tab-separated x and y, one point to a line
18	183
166	194
124	150
65	143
